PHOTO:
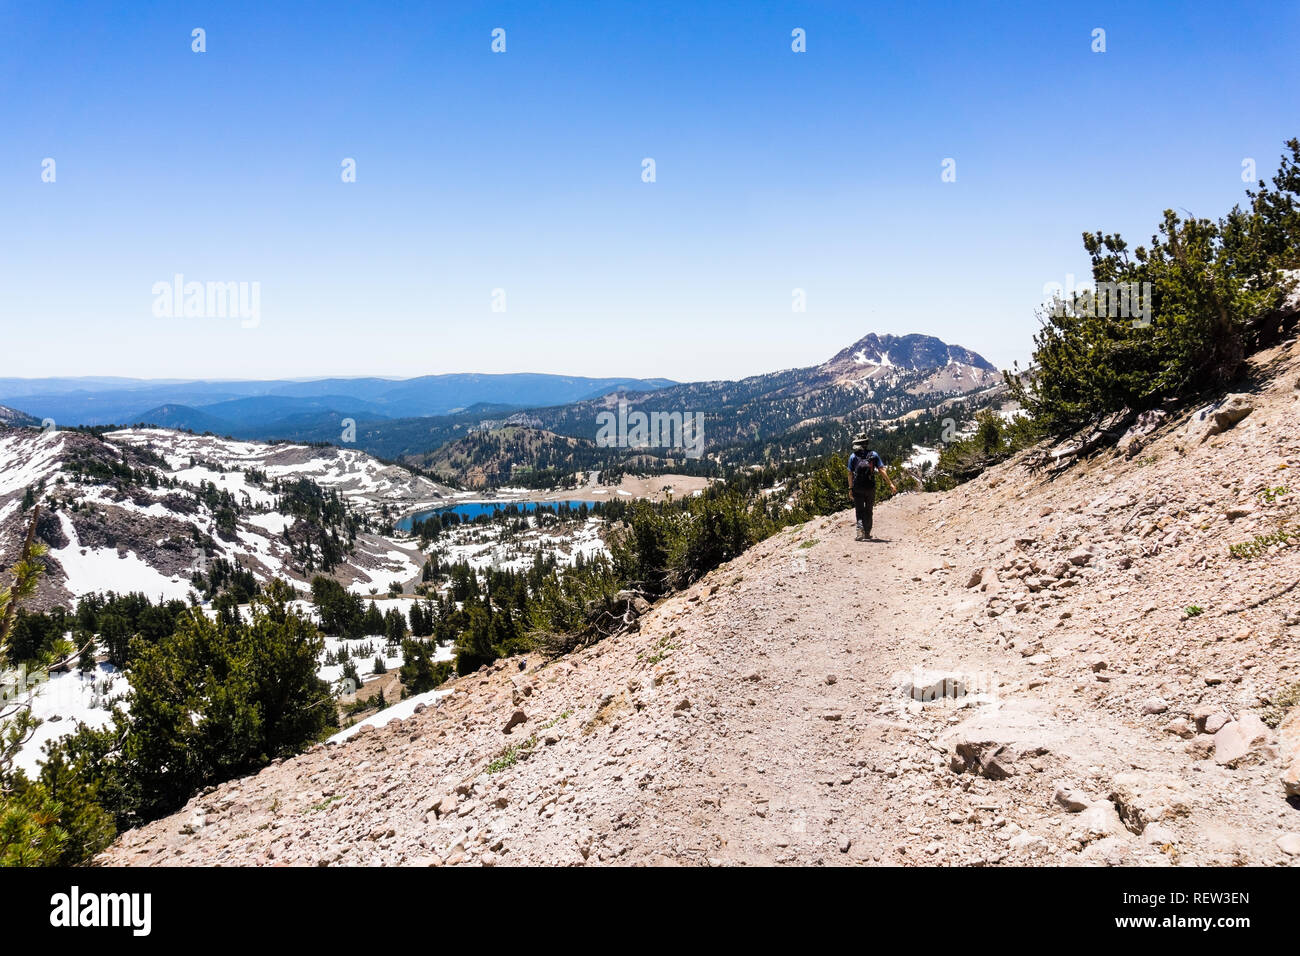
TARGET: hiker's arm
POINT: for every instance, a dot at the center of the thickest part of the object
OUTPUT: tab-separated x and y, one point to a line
885	472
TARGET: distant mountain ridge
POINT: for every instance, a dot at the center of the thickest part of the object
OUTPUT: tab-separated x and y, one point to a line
12	416
773	416
932	365
260	404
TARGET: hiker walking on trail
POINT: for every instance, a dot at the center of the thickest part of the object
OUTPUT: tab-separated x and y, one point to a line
864	465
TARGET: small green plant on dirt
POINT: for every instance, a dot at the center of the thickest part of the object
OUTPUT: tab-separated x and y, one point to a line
317	807
1271	495
661	650
1281	703
1194	609
555	720
809	543
510	756
1258	545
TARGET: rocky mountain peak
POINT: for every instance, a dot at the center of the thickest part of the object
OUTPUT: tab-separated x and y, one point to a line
912	352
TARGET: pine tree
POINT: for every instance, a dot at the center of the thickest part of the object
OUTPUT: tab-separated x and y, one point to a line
1213	286
350	674
394	626
418	672
54	821
209	702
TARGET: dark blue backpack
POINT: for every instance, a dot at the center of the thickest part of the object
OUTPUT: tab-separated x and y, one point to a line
864	475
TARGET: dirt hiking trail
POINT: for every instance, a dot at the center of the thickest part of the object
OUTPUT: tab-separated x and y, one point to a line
1027	670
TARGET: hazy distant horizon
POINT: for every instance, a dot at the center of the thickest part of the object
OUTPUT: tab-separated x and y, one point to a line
614	373
301	379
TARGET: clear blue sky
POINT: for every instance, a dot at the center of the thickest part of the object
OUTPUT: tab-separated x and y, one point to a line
522	171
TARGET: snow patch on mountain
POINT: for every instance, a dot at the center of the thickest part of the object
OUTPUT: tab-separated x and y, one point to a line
127	511
102	569
66	700
399	711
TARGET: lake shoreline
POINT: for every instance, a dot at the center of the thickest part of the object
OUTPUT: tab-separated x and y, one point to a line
653	487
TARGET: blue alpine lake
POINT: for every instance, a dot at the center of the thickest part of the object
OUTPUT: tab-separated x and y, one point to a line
478	509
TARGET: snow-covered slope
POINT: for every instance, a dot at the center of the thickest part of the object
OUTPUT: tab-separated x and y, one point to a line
366	482
141	509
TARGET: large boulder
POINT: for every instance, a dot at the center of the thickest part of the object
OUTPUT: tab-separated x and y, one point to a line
517	718
1098	821
1080	556
927	686
446	806
633	600
1143	798
1135	438
1239	739
998	743
1219	417
986	579
1210	718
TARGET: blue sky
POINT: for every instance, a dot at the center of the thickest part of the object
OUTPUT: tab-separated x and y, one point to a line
521	171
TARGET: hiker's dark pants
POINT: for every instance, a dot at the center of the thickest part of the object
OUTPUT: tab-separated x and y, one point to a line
863	505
